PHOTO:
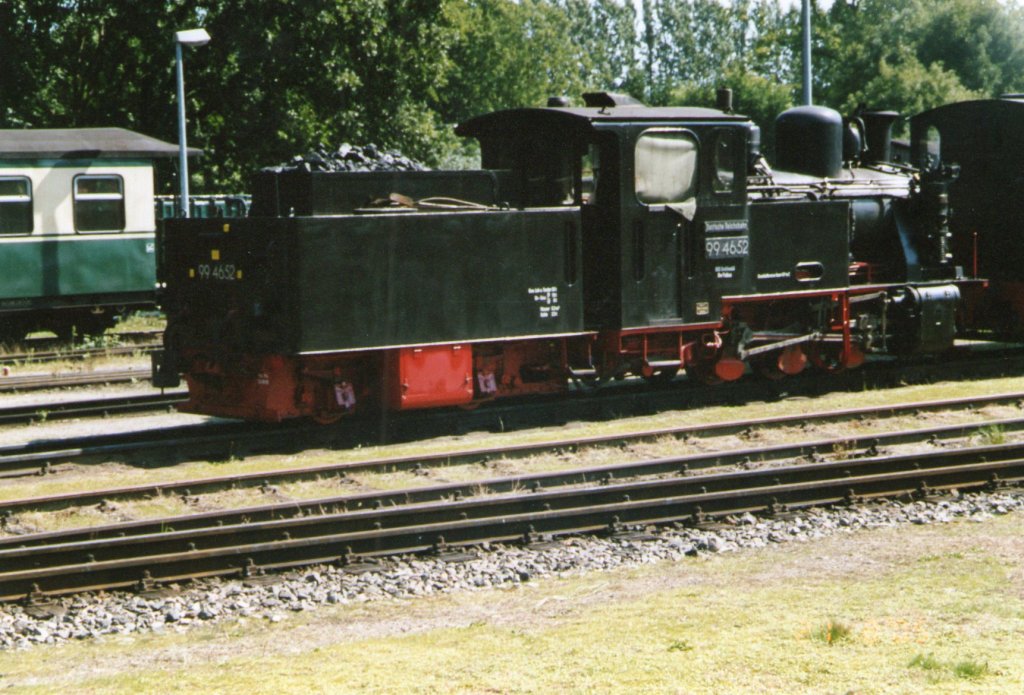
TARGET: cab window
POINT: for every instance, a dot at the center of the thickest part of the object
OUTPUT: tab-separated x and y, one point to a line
726	161
99	203
665	163
933	147
16	205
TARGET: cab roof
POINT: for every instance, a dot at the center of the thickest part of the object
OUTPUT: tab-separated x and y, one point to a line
581	120
84	143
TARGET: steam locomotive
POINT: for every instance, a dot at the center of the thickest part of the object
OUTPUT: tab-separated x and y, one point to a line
595	243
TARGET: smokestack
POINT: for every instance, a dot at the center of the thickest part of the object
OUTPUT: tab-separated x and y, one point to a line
723	100
878	132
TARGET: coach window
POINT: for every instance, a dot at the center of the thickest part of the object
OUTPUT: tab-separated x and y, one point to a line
99	203
665	163
15	205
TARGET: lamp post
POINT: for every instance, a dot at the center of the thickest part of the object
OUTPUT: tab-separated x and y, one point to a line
189	37
805	16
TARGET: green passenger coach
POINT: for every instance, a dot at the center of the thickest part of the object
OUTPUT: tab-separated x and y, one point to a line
77	228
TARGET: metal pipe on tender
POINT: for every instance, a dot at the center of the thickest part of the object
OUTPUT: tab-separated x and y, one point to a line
805	16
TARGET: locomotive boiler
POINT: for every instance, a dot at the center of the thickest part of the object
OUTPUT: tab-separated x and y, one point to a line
594	243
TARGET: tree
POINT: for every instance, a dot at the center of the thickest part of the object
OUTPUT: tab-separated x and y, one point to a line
296	73
508	53
604	42
760	98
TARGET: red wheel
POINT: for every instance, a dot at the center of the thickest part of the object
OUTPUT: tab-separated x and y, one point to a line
703	373
826	357
325	417
662	376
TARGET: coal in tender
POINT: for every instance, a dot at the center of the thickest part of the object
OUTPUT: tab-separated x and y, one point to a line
348	157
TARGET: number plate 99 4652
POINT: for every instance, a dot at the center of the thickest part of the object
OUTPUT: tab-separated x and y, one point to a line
218	271
727	247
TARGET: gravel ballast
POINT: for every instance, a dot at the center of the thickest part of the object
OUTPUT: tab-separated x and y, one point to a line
119	613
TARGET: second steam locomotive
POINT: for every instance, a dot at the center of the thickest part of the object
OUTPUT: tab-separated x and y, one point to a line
594	243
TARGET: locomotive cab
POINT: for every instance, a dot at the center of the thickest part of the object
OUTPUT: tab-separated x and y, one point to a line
654	186
663	203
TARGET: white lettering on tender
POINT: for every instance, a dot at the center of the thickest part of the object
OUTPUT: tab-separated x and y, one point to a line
772	276
547	298
216	271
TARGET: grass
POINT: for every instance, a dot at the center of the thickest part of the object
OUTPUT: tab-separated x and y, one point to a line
966	669
992	435
932	609
832	632
970	669
140	321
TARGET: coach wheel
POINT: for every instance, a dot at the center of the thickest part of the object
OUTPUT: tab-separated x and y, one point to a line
11	332
64	331
89	324
93	327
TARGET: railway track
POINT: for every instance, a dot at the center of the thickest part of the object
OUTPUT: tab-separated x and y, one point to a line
41	350
218	439
139	343
302	544
844	448
355	536
31	346
35	382
211	439
78	353
90	407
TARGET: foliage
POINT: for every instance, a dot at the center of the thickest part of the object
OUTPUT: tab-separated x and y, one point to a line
604	42
280	78
507	54
291	74
917	53
760	98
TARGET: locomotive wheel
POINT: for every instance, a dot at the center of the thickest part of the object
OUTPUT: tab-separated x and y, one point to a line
662	376
703	373
768	369
586	384
825	357
325	412
327	417
475	403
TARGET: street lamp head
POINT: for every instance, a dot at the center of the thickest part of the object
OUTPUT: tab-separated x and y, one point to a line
192	37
